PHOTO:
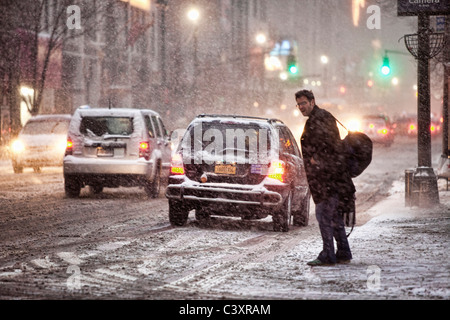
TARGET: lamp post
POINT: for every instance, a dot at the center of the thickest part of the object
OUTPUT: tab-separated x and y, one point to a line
261	41
162	4
324	60
193	15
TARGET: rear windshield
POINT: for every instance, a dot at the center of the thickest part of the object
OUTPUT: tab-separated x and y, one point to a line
100	126
46	127
220	137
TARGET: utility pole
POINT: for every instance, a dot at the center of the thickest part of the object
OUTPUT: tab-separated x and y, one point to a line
162	4
445	130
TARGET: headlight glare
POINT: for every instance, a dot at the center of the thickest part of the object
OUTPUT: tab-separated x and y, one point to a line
17	146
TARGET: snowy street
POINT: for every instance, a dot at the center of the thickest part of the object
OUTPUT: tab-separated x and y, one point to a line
120	245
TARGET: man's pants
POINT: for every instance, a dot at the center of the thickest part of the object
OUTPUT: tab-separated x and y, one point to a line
332	226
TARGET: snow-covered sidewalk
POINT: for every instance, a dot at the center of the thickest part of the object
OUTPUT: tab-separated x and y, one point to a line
401	253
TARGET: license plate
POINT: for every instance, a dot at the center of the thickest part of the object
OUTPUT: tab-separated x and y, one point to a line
225	169
102	152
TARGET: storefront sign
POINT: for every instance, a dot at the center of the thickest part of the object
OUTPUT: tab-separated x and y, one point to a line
428	7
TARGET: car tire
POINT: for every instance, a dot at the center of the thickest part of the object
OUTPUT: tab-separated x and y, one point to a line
301	217
202	214
72	186
282	218
17	168
96	188
178	215
152	188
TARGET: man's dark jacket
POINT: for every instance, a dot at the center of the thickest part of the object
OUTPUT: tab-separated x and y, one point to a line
329	177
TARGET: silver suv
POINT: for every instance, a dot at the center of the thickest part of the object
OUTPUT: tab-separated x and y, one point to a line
116	147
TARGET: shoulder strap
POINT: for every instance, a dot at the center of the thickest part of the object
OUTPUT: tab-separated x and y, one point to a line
340	123
348	235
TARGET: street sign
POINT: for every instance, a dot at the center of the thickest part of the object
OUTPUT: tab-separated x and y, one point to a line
428	7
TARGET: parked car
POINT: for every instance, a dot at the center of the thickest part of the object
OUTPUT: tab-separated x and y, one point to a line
238	166
116	147
40	143
378	128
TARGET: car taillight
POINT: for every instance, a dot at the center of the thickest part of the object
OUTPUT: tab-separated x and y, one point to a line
177	166
276	170
69	147
144	150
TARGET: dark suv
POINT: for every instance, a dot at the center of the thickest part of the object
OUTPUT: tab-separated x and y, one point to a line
238	166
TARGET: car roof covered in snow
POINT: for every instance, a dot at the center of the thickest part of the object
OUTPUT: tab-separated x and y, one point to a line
50	117
98	112
236	119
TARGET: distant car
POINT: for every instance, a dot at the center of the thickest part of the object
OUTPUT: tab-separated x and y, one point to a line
407	125
435	126
238	166
114	148
378	128
40	143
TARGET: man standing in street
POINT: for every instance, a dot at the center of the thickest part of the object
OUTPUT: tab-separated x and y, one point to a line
331	186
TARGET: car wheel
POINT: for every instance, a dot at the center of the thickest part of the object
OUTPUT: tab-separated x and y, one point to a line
282	218
153	187
96	188
301	217
18	169
72	186
201	214
178	215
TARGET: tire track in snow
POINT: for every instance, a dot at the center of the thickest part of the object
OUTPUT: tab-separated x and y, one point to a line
258	250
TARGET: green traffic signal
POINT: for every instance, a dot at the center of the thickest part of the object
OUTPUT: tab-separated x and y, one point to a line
292	65
385	68
293	69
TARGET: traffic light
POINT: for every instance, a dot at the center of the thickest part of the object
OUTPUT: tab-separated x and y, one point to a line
385	68
292	67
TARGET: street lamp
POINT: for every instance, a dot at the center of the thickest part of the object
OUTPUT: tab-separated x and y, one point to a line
193	14
261	38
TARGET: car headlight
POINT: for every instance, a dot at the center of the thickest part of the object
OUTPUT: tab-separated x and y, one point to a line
62	145
354	125
17	146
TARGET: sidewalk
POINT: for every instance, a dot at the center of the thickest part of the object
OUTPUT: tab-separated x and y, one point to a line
401	253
